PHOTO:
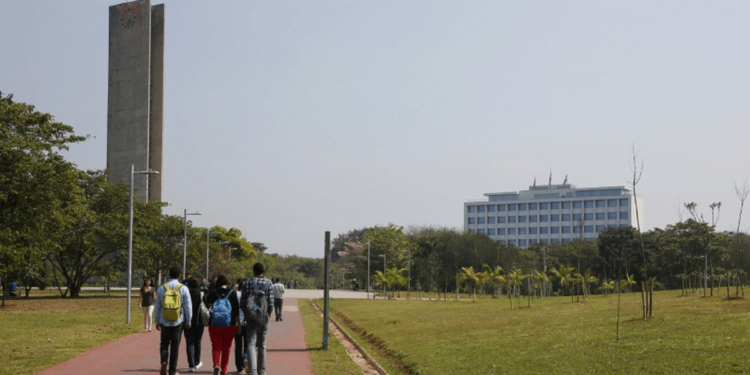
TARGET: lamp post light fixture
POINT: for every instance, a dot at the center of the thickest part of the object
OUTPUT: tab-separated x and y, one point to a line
133	172
184	240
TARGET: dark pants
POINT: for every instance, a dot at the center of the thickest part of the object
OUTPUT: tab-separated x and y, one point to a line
239	348
277	305
170	346
193	337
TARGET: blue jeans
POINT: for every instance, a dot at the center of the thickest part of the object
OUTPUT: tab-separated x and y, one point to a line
193	337
256	335
239	348
170	346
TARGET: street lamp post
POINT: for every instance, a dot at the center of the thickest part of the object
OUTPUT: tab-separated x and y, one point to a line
368	269
184	240
408	290
133	172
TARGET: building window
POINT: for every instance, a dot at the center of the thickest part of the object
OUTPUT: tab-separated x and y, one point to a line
612	225
501	231
491	208
565	240
554	217
576	229
600	216
522	219
611	202
543	218
511	219
490	231
522	243
544	206
480	220
624	202
500	208
511	207
565	217
511	231
533	230
471	230
624	225
543	230
491	220
555	205
472	220
522	230
501	219
522	207
578	204
600	203
554	240
480	231
566	205
543	241
565	229
554	230
588	204
532	218
611	215
480	208
588	229
533	242
533	206
512	242
577	217
599	228
623	215
471	209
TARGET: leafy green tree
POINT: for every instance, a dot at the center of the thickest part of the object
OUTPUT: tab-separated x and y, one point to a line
32	177
473	278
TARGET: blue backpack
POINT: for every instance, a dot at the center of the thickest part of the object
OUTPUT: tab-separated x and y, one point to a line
221	312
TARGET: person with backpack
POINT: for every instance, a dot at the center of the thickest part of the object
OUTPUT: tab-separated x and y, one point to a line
225	321
257	302
194	335
172	312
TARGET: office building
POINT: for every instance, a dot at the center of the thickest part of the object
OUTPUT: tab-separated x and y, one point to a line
551	213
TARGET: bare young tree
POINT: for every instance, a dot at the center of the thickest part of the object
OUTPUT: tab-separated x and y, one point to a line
742	192
637	171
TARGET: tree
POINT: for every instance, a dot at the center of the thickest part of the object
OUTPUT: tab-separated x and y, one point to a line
564	275
32	174
468	275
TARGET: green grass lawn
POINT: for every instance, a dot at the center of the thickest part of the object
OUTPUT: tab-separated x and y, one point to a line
44	330
325	362
689	335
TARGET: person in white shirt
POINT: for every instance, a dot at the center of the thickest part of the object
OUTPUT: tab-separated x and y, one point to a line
171	330
278	298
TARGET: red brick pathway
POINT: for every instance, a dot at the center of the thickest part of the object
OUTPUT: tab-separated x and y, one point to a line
139	353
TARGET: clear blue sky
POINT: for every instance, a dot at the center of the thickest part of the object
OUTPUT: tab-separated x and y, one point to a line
289	118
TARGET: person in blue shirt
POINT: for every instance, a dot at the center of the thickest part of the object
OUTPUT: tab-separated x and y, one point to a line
171	330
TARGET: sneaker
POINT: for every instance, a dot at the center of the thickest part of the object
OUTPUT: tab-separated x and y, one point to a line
199	365
191	369
247	368
217	370
163	370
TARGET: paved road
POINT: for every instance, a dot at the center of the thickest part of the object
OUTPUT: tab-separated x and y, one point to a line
139	353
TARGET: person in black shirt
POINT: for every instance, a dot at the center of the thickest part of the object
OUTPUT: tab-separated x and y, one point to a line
194	335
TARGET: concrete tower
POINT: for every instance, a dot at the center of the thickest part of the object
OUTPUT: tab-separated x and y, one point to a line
136	94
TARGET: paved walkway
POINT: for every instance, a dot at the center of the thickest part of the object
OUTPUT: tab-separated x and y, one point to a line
287	352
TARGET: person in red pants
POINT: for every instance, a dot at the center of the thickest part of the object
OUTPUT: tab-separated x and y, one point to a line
225	322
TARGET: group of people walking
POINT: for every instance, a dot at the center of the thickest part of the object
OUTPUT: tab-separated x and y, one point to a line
234	313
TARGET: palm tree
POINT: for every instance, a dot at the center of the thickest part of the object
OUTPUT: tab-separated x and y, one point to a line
563	273
396	277
493	277
539	281
381	279
468	274
588	279
627	282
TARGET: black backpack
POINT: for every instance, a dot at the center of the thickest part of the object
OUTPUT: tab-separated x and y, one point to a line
256	307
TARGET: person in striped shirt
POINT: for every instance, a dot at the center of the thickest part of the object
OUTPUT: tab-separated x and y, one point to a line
278	297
